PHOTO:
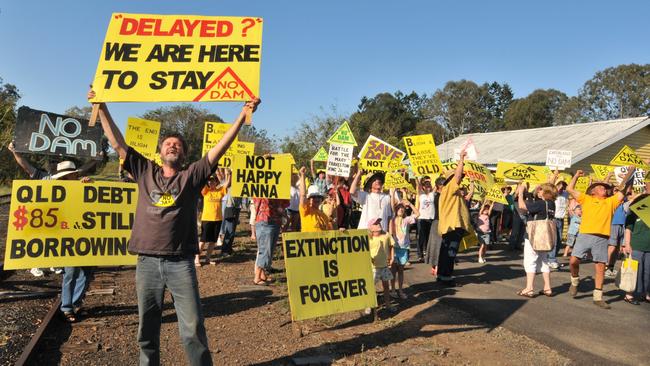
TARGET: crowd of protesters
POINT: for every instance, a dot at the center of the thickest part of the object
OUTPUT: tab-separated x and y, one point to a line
427	224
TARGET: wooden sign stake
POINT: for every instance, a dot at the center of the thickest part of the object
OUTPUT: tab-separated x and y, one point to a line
93	115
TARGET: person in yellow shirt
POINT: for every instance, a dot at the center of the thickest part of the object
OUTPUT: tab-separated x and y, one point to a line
382	256
212	215
454	221
312	218
598	207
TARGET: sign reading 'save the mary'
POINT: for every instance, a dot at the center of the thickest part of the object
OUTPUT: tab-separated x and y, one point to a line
53	134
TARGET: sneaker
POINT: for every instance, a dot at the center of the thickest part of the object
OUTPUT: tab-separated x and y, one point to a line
56	270
36	272
481	260
611	273
573	290
602	304
554	265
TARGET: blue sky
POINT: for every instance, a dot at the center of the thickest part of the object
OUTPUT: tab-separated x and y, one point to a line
319	54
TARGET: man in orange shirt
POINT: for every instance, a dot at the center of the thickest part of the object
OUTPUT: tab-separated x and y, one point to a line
598	206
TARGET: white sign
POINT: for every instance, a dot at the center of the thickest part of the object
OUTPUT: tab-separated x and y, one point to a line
339	160
470	149
638	176
560	159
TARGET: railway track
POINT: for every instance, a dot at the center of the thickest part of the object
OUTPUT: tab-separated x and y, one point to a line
5	199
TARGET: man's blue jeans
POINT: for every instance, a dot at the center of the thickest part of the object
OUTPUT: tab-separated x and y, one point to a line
267	235
178	274
73	289
228	227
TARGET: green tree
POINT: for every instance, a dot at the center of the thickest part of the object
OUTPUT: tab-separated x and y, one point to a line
263	143
461	107
570	112
9	97
388	116
536	110
311	135
618	92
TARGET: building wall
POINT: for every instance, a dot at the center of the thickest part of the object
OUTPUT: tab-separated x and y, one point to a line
639	141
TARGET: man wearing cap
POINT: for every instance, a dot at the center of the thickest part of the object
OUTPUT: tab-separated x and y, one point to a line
164	234
454	221
311	217
598	206
374	202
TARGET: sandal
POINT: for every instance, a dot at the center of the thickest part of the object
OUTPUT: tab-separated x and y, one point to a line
631	300
529	294
260	283
69	317
547	293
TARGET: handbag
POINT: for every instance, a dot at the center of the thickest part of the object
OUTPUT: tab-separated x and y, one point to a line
542	233
626	277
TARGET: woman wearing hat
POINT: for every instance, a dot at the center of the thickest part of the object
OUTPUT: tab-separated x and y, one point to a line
312	218
454	221
374	202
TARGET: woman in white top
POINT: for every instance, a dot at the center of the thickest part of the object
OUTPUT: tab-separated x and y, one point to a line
374	202
426	206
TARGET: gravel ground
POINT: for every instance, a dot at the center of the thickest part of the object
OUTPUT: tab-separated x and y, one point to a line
249	324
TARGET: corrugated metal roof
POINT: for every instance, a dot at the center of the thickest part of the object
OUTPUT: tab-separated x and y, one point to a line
529	146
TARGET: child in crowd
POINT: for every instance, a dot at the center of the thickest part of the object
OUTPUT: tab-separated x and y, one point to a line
399	229
381	254
483	231
572	232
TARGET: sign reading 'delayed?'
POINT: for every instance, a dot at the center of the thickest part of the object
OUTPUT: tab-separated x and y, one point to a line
179	58
328	272
48	133
558	159
70	224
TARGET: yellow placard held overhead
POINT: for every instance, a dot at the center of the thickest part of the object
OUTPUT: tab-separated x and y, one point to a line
179	58
343	136
261	176
321	155
396	180
142	135
237	148
70	224
379	155
213	133
601	171
522	172
582	183
642	209
328	272
482	177
423	155
627	156
495	194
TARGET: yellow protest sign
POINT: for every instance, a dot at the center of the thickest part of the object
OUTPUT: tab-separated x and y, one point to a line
69	224
237	148
601	171
261	176
179	58
495	194
482	177
213	133
380	155
627	156
343	136
321	155
521	172
582	183
288	156
642	209
396	180
328	272
142	135
423	155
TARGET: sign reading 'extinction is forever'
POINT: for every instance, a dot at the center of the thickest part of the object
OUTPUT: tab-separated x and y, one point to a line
174	58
